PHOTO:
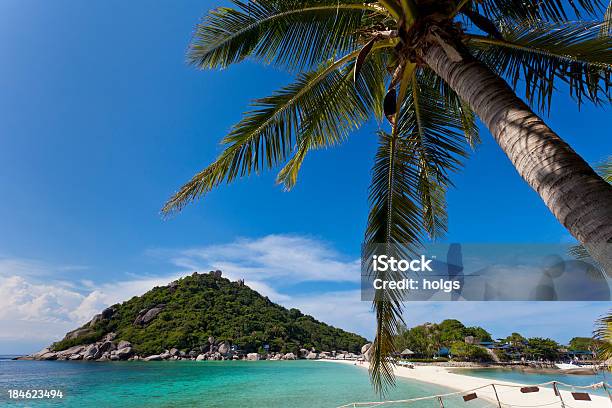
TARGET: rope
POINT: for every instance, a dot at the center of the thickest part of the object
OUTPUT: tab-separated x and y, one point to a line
450	394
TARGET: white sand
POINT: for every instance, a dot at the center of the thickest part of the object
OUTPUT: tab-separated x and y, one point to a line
508	395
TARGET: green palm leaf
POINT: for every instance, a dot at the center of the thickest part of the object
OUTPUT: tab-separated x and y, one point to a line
321	106
408	194
543	54
603	333
346	100
292	33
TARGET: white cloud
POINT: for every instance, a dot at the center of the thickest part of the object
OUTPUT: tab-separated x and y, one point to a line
273	257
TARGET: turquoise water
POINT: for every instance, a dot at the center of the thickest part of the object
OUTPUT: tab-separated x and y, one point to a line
293	384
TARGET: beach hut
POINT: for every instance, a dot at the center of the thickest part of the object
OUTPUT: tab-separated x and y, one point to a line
407	353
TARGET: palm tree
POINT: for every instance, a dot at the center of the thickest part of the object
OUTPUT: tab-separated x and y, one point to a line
603	333
428	67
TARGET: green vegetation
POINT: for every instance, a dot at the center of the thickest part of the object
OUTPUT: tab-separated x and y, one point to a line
470	344
426	340
468	352
204	305
540	348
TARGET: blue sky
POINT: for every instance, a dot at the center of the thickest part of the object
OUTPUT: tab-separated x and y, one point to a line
101	120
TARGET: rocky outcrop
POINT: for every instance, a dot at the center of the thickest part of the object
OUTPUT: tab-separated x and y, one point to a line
109	349
312	356
289	356
147	315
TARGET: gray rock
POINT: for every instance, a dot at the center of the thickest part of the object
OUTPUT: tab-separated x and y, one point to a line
70	351
145	316
174	352
77	333
123	344
154	357
252	357
201	357
165	355
365	348
289	356
107	346
224	348
193	353
312	356
124	353
48	356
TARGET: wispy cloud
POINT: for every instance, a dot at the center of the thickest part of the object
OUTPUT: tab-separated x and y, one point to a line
273	257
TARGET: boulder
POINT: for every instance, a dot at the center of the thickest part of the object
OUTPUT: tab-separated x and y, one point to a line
78	333
201	357
224	348
90	352
145	316
304	353
365	348
107	346
154	357
124	352
174	352
75	357
123	344
70	351
48	356
165	355
312	356
289	356
252	357
368	354
193	353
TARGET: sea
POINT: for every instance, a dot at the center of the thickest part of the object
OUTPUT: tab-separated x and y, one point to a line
268	384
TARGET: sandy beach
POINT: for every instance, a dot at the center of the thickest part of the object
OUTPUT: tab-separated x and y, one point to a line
509	393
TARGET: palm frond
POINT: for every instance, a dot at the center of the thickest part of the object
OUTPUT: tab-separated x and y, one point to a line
603	333
393	216
544	54
291	33
605	170
408	193
606	27
352	97
323	104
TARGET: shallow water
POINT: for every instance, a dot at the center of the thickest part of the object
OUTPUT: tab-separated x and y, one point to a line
267	384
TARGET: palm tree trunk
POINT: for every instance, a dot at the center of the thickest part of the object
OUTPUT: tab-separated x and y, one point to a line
570	188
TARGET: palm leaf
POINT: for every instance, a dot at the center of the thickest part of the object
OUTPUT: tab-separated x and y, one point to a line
291	33
408	194
544	54
353	96
603	333
323	104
